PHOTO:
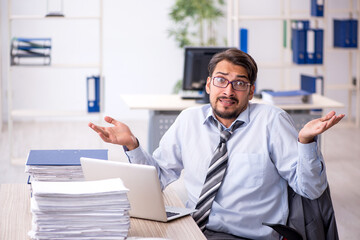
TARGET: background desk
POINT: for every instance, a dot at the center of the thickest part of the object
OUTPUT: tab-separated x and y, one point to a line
15	217
165	108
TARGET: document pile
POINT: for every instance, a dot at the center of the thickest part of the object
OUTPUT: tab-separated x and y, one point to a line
80	210
60	165
287	97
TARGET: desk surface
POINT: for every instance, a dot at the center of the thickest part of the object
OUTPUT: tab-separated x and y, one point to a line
15	217
174	102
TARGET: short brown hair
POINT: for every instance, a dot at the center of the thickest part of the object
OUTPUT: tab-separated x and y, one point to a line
237	57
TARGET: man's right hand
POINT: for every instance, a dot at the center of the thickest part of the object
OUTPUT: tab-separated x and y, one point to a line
117	134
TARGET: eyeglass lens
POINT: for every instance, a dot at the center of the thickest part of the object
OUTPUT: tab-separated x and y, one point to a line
237	84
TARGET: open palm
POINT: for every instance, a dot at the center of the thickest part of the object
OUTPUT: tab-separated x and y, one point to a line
318	126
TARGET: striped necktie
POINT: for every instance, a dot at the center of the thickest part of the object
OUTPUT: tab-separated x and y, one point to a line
214	177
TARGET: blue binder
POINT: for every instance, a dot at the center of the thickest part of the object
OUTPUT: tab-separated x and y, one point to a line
310	46
299	45
299	40
339	33
319	45
312	84
353	33
64	157
93	93
317	8
345	33
244	40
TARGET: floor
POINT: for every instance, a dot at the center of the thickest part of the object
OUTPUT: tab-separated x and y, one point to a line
341	150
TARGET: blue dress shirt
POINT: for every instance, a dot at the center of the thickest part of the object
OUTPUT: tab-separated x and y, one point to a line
264	157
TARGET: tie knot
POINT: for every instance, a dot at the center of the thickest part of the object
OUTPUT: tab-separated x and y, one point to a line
224	136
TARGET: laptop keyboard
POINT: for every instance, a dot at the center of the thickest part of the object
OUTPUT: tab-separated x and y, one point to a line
170	214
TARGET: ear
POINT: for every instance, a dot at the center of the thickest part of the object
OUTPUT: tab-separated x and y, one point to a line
251	92
208	81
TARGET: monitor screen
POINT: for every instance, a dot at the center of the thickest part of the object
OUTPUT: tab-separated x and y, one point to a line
196	66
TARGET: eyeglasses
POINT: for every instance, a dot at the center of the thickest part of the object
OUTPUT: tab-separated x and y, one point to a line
237	85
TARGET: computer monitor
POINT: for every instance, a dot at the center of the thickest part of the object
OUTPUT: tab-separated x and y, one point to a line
196	66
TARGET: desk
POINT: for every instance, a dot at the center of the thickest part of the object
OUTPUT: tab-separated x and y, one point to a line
174	102
15	217
165	108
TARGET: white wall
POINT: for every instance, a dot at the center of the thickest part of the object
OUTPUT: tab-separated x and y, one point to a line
139	57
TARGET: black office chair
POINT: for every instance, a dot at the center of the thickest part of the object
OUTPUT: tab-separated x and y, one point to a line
309	219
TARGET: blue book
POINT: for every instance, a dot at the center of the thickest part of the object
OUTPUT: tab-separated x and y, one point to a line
63	157
317	8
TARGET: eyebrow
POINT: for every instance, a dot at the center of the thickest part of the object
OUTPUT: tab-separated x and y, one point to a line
238	76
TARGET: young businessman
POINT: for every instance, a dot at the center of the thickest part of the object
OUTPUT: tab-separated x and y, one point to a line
263	154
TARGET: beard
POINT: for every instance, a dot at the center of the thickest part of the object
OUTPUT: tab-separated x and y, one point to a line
228	114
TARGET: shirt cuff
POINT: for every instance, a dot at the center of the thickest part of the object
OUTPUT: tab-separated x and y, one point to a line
134	154
310	152
308	149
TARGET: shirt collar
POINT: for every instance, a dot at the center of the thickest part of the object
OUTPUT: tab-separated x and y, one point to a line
243	116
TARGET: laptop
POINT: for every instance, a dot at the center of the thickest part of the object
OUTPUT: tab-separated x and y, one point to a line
145	195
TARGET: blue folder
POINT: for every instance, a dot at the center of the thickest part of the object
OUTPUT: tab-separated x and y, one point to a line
93	93
310	46
311	83
353	33
345	33
299	40
64	157
317	8
315	46
319	45
299	45
244	40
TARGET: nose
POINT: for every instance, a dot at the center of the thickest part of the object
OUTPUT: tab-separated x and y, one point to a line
229	90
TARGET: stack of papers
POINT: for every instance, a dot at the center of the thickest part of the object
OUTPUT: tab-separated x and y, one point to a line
80	210
287	97
60	165
55	173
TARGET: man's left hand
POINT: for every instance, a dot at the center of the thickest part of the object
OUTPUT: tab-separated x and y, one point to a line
318	126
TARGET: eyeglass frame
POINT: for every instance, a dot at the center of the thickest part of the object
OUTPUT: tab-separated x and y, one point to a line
231	82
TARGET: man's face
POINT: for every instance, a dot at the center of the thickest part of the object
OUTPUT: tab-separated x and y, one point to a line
228	103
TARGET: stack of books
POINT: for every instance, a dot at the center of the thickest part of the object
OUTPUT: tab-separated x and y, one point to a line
80	210
59	165
287	97
30	51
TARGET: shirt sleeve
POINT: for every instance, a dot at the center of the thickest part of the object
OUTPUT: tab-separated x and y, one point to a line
166	158
302	165
311	169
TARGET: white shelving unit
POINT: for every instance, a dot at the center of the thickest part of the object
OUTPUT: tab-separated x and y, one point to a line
285	15
353	58
19	114
236	20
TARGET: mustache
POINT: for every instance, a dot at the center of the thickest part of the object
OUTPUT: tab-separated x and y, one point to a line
228	98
